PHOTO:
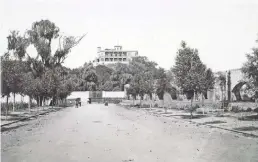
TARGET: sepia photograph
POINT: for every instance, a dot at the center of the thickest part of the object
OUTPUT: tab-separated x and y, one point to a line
129	80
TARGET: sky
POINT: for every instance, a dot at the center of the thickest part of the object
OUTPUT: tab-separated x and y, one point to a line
222	30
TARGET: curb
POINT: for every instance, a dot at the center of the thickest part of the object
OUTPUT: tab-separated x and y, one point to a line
25	118
227	129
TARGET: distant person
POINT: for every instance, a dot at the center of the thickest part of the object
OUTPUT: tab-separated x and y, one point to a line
76	104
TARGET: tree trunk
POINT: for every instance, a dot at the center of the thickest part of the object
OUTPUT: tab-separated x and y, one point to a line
13	102
191	108
202	104
21	102
6	109
52	102
41	100
57	100
37	100
29	105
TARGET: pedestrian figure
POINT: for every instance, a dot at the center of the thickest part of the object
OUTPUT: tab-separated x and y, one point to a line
89	100
76	104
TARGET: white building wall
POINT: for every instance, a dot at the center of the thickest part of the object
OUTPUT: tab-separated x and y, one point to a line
114	94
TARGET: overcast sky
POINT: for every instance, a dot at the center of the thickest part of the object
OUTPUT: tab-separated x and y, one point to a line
222	30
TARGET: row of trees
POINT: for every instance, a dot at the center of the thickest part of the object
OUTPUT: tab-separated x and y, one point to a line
143	76
41	77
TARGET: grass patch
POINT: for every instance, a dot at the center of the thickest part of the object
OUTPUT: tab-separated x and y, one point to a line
194	116
222	115
249	128
215	122
249	118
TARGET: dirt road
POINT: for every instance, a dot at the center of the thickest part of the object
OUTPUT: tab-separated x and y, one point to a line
115	134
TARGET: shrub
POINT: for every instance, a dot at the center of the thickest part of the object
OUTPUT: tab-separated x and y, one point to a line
249	109
256	110
145	106
246	97
63	105
117	101
236	109
137	105
195	107
181	108
18	106
180	98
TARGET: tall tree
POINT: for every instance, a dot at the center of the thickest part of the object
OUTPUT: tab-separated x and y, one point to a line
250	69
41	35
189	71
142	76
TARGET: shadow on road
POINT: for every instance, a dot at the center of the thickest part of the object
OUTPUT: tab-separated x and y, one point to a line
248	128
3	129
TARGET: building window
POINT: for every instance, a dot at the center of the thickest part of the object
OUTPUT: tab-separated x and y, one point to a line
124	59
106	53
106	59
124	53
120	53
102	59
97	60
111	59
116	55
120	59
115	59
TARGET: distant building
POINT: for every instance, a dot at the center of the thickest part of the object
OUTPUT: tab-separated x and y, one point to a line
112	56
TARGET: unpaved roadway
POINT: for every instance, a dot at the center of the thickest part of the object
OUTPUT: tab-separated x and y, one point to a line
111	133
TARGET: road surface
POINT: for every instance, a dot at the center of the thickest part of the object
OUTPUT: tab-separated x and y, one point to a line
114	134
